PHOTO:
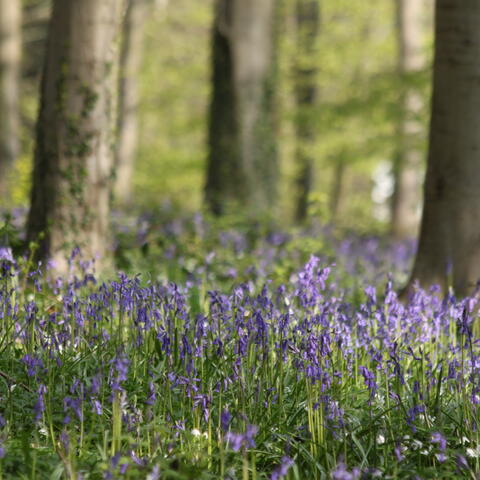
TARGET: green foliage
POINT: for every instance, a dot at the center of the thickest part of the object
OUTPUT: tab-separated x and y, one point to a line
355	119
175	94
359	99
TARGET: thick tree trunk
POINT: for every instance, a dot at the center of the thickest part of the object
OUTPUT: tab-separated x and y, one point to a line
127	126
308	20
70	202
450	229
408	163
10	58
242	167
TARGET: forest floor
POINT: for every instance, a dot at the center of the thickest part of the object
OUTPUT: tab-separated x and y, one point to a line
236	352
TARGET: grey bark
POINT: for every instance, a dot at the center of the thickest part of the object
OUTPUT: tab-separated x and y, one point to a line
242	167
10	59
308	21
449	246
70	200
408	163
127	126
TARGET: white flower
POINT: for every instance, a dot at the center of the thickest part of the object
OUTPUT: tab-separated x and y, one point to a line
416	444
428	418
380	439
473	452
196	432
426	451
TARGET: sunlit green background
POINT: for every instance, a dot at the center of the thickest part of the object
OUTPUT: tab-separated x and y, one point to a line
359	91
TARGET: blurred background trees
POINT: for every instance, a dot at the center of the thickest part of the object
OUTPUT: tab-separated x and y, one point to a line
306	93
131	56
297	110
337	141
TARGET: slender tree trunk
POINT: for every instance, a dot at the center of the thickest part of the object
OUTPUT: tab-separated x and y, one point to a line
242	166
337	192
308	21
70	202
408	163
127	126
10	58
450	230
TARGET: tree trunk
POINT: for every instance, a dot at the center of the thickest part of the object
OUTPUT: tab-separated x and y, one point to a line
408	163
242	166
70	203
127	126
337	191
308	20
450	230
10	58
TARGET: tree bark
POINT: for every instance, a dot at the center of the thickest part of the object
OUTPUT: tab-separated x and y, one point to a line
242	166
10	59
308	22
449	246
70	200
408	162
127	125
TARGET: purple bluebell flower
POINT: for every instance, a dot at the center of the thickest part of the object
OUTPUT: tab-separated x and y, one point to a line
412	414
65	441
461	462
245	440
151	394
96	383
142	462
33	363
119	371
281	470
369	378
225	418
39	407
74	404
6	254
440	440
97	407
398	452
155	473
341	472
371	293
